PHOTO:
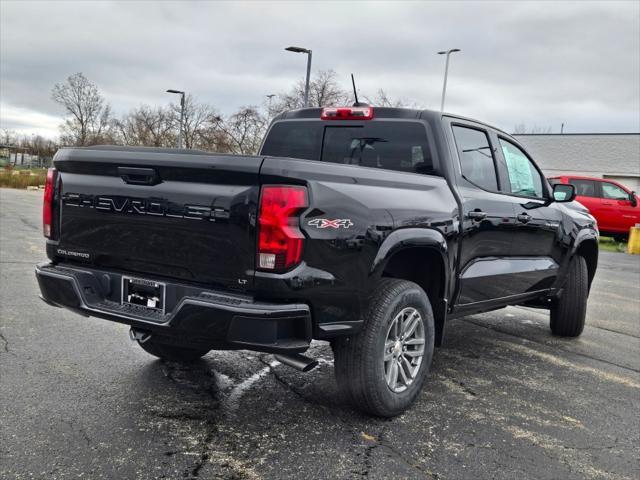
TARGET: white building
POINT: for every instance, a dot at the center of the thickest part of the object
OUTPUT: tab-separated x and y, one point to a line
603	155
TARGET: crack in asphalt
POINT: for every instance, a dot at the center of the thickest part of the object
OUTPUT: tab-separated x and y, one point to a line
400	456
28	223
289	386
209	417
5	342
499	330
356	429
4	262
615	331
538	312
369	449
79	429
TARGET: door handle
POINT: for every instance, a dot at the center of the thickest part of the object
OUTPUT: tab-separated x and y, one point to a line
524	218
477	215
139	176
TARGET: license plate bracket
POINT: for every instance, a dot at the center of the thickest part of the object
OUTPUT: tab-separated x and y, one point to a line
143	293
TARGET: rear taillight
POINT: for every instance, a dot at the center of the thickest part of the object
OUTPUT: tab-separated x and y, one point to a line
47	205
280	240
347	113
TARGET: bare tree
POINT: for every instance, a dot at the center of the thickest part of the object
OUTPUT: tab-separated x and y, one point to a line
198	119
324	91
89	115
147	126
382	99
7	137
244	130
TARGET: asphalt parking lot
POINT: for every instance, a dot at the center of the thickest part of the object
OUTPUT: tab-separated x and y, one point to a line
504	398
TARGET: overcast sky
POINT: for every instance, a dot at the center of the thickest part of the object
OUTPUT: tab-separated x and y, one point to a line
537	63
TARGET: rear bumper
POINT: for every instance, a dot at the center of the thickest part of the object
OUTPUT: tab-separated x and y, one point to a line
194	315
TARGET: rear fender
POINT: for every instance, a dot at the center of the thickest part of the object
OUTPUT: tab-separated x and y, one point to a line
419	238
407	238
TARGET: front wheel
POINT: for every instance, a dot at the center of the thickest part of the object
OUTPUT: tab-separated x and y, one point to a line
621	238
383	367
568	313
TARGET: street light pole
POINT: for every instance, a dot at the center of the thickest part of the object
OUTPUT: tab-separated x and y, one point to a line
306	85
181	93
270	97
446	73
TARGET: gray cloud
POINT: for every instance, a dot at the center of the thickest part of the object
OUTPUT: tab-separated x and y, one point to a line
539	63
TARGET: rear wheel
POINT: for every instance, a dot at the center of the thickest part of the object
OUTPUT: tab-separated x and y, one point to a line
171	352
383	367
568	313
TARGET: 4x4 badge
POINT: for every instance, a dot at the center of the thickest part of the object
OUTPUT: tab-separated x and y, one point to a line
326	223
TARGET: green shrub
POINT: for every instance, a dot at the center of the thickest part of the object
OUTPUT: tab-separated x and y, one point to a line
23	179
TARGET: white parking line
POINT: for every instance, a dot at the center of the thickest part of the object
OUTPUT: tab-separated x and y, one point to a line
233	400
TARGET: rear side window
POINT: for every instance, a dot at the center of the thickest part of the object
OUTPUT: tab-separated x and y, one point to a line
584	188
476	157
401	146
295	140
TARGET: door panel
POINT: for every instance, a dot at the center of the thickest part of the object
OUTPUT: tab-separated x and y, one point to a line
617	209
501	277
538	239
537	235
485	240
487	219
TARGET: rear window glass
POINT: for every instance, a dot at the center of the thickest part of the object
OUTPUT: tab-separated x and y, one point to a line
401	146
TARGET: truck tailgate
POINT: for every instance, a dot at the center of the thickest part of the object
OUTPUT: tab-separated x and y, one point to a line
180	214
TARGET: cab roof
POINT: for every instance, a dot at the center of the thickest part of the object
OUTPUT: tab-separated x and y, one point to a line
384	112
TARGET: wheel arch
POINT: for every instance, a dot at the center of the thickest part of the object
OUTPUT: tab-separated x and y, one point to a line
588	249
420	256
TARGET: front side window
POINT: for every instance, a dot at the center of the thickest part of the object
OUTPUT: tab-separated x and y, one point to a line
613	192
524	178
584	188
476	157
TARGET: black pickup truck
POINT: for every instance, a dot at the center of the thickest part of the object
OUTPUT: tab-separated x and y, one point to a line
366	227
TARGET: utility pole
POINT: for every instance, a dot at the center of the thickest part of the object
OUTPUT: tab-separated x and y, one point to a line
270	97
446	73
181	93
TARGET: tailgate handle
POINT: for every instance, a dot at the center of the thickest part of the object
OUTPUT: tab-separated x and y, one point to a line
139	176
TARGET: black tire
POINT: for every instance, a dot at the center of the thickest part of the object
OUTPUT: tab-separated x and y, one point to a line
359	365
621	238
568	313
171	352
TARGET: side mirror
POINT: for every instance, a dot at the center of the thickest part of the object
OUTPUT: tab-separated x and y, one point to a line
564	192
633	199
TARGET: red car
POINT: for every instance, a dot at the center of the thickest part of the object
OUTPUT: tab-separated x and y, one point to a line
614	206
